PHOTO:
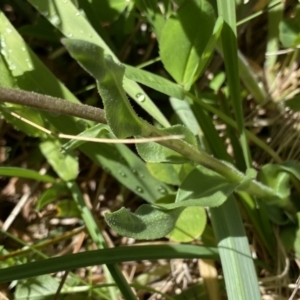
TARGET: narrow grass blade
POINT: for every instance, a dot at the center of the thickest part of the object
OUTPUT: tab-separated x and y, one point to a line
111	269
25	173
106	256
226	9
238	267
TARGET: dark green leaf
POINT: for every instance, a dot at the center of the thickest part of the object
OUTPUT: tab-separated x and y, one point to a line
120	116
184	39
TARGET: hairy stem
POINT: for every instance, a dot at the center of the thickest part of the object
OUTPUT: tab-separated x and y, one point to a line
52	104
61	106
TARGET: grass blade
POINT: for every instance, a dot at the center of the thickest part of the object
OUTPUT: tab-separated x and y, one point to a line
106	256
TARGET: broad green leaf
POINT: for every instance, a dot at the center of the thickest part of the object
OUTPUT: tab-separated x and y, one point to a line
25	173
72	23
167	173
120	116
38	288
64	164
205	187
154	81
153	152
184	39
147	222
51	194
6	78
189	225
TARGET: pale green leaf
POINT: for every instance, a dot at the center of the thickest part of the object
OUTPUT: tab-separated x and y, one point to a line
154	81
205	187
184	39
189	226
168	173
37	288
64	164
147	222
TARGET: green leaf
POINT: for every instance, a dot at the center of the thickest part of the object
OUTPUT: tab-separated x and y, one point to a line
155	82
189	225
67	209
186	115
153	14
120	116
167	173
153	152
25	67
127	168
290	237
64	164
37	288
109	11
25	173
184	39
278	179
67	18
28	114
147	222
292	167
210	46
294	103
205	187
52	194
105	256
289	30
6	78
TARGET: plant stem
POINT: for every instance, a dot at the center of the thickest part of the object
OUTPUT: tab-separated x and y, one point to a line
57	105
52	104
